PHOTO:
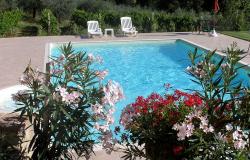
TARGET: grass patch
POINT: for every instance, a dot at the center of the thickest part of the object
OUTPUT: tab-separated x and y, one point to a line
245	35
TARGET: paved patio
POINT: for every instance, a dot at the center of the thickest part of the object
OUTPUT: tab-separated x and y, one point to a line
17	52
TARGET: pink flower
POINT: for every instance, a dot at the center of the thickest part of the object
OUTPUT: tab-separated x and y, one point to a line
63	91
186	129
110	119
127	116
113	93
97	126
240	138
111	110
97	108
91	57
240	144
99	59
237	135
182	132
101	74
104	128
190	129
68	97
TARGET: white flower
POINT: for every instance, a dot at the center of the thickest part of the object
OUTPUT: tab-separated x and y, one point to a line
240	138
182	132
66	96
240	144
113	93
229	127
189	68
190	129
210	129
91	57
99	59
176	126
236	135
101	74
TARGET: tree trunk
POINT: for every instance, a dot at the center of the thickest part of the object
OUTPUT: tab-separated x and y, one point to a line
34	12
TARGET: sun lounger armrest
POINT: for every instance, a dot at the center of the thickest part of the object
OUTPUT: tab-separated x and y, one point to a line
99	29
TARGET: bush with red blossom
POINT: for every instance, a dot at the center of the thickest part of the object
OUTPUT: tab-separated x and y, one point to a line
150	121
212	123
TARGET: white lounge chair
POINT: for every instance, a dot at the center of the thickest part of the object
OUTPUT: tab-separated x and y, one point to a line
93	28
127	27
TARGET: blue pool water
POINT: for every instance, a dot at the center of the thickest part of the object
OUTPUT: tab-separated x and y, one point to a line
142	67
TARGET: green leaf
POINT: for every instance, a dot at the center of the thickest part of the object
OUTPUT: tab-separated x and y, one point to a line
65	112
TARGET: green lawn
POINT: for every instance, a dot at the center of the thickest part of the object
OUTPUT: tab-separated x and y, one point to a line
238	34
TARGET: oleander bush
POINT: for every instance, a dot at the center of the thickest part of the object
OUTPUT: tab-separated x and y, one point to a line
9	22
209	123
68	107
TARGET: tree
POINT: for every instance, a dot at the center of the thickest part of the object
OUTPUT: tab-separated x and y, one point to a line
62	9
236	14
32	6
8	4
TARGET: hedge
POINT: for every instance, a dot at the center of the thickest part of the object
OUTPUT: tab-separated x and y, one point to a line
144	21
9	21
49	20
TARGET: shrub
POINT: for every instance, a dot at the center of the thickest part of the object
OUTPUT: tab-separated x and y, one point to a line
149	23
138	19
184	21
70	29
68	106
149	122
80	17
165	22
112	19
9	21
49	22
211	123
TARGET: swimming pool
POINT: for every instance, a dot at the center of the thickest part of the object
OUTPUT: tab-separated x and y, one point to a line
142	67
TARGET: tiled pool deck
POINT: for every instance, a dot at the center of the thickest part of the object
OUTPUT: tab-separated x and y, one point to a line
15	54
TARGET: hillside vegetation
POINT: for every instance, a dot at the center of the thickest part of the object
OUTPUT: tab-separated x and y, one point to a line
69	17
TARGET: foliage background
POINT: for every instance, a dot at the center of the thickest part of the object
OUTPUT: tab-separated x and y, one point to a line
147	15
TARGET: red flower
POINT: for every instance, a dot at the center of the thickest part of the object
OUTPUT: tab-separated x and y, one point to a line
165	107
189	102
177	150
